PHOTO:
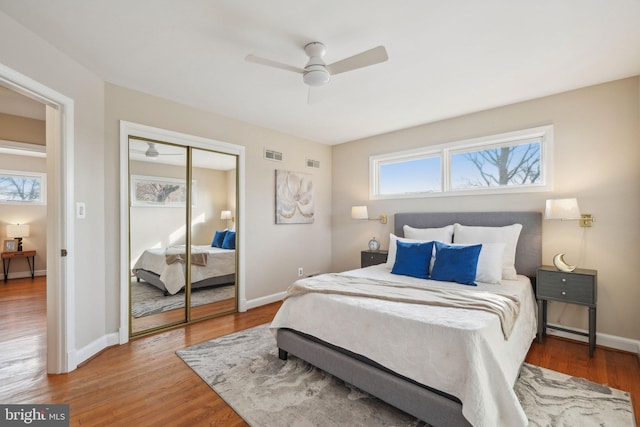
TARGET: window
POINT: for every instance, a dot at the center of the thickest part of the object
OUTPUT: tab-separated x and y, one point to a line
22	187
512	162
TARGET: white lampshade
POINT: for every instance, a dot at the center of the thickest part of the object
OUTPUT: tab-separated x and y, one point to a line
562	209
359	212
18	230
225	215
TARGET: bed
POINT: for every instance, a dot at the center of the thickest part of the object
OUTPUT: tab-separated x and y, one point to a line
164	267
444	368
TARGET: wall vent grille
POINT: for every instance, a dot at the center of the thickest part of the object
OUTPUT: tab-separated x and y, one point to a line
272	155
313	163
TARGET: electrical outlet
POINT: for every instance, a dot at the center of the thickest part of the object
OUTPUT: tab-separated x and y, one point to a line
300	271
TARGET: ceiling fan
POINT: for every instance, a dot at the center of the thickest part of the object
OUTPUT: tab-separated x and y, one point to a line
316	73
153	153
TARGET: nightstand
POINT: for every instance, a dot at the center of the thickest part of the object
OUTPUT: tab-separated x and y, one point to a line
369	258
576	287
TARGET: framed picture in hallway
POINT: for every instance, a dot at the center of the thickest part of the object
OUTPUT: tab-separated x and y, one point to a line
10	246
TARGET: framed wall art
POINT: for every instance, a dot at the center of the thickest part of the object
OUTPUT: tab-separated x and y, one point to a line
294	198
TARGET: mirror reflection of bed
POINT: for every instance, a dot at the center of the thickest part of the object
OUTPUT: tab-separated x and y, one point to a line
164	291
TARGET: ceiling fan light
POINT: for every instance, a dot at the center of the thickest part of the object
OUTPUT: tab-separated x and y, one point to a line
316	77
152	152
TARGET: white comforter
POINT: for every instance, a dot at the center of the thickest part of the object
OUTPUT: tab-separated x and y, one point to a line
461	352
220	262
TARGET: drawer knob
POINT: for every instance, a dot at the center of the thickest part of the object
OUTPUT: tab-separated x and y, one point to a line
371	257
563	280
564	293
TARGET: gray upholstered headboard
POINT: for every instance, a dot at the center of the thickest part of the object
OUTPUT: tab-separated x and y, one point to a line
528	251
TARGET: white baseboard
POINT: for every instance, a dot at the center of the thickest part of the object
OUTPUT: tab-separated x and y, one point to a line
265	300
606	340
93	348
25	274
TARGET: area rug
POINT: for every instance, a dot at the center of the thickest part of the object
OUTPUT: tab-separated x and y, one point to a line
244	369
146	299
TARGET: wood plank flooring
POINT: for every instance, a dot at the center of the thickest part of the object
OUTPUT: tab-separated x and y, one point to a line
143	383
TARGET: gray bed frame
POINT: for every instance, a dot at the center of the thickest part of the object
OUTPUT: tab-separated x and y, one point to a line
432	406
154	279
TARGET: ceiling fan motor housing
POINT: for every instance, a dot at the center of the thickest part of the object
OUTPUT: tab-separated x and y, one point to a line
315	72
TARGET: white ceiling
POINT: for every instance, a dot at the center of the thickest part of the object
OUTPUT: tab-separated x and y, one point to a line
446	58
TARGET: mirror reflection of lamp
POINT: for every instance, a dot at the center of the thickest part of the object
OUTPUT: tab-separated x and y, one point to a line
227	216
18	231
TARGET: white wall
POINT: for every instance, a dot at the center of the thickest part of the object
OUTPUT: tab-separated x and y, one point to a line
28	54
596	159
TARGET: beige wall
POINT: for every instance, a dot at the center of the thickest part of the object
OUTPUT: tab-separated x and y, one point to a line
273	252
33	215
35	58
22	129
596	159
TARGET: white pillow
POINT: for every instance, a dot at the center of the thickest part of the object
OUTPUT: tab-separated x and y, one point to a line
508	235
443	234
490	263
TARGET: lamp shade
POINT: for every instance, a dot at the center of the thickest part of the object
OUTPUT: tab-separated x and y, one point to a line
359	212
18	230
225	215
562	209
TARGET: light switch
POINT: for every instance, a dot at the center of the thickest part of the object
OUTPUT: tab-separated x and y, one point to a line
80	210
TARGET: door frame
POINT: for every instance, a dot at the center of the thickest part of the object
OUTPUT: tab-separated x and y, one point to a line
144	131
60	217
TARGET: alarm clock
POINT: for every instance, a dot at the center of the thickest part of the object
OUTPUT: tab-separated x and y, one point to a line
374	245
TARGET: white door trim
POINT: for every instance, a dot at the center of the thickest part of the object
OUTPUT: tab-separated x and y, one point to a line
143	131
60	220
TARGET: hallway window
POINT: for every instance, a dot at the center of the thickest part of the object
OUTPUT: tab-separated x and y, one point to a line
22	187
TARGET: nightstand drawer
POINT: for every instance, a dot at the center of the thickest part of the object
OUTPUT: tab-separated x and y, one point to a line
369	258
568	287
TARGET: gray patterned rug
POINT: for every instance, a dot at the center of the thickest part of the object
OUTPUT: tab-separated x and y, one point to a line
244	369
146	299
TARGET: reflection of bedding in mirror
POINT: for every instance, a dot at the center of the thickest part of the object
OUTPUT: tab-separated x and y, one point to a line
164	267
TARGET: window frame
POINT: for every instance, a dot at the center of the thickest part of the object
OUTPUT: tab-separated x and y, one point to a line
445	152
42	200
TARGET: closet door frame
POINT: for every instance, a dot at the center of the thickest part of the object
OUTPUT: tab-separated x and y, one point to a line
128	129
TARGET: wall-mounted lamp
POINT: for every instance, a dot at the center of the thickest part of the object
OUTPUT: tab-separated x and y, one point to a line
17	232
361	212
567	210
227	216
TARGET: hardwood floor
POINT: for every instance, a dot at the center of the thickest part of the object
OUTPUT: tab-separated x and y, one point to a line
144	383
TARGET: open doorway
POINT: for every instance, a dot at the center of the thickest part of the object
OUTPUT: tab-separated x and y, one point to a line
58	226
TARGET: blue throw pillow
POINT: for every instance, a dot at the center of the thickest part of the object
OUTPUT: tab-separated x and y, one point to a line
412	259
456	263
229	240
218	238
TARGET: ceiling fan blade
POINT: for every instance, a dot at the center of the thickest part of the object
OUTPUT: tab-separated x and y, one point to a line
274	64
316	94
360	60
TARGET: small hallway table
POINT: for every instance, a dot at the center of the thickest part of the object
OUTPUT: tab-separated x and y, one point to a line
8	256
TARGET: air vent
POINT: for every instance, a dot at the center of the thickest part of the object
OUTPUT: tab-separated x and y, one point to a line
272	155
313	163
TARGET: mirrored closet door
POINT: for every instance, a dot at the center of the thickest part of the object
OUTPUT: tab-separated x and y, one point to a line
180	199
